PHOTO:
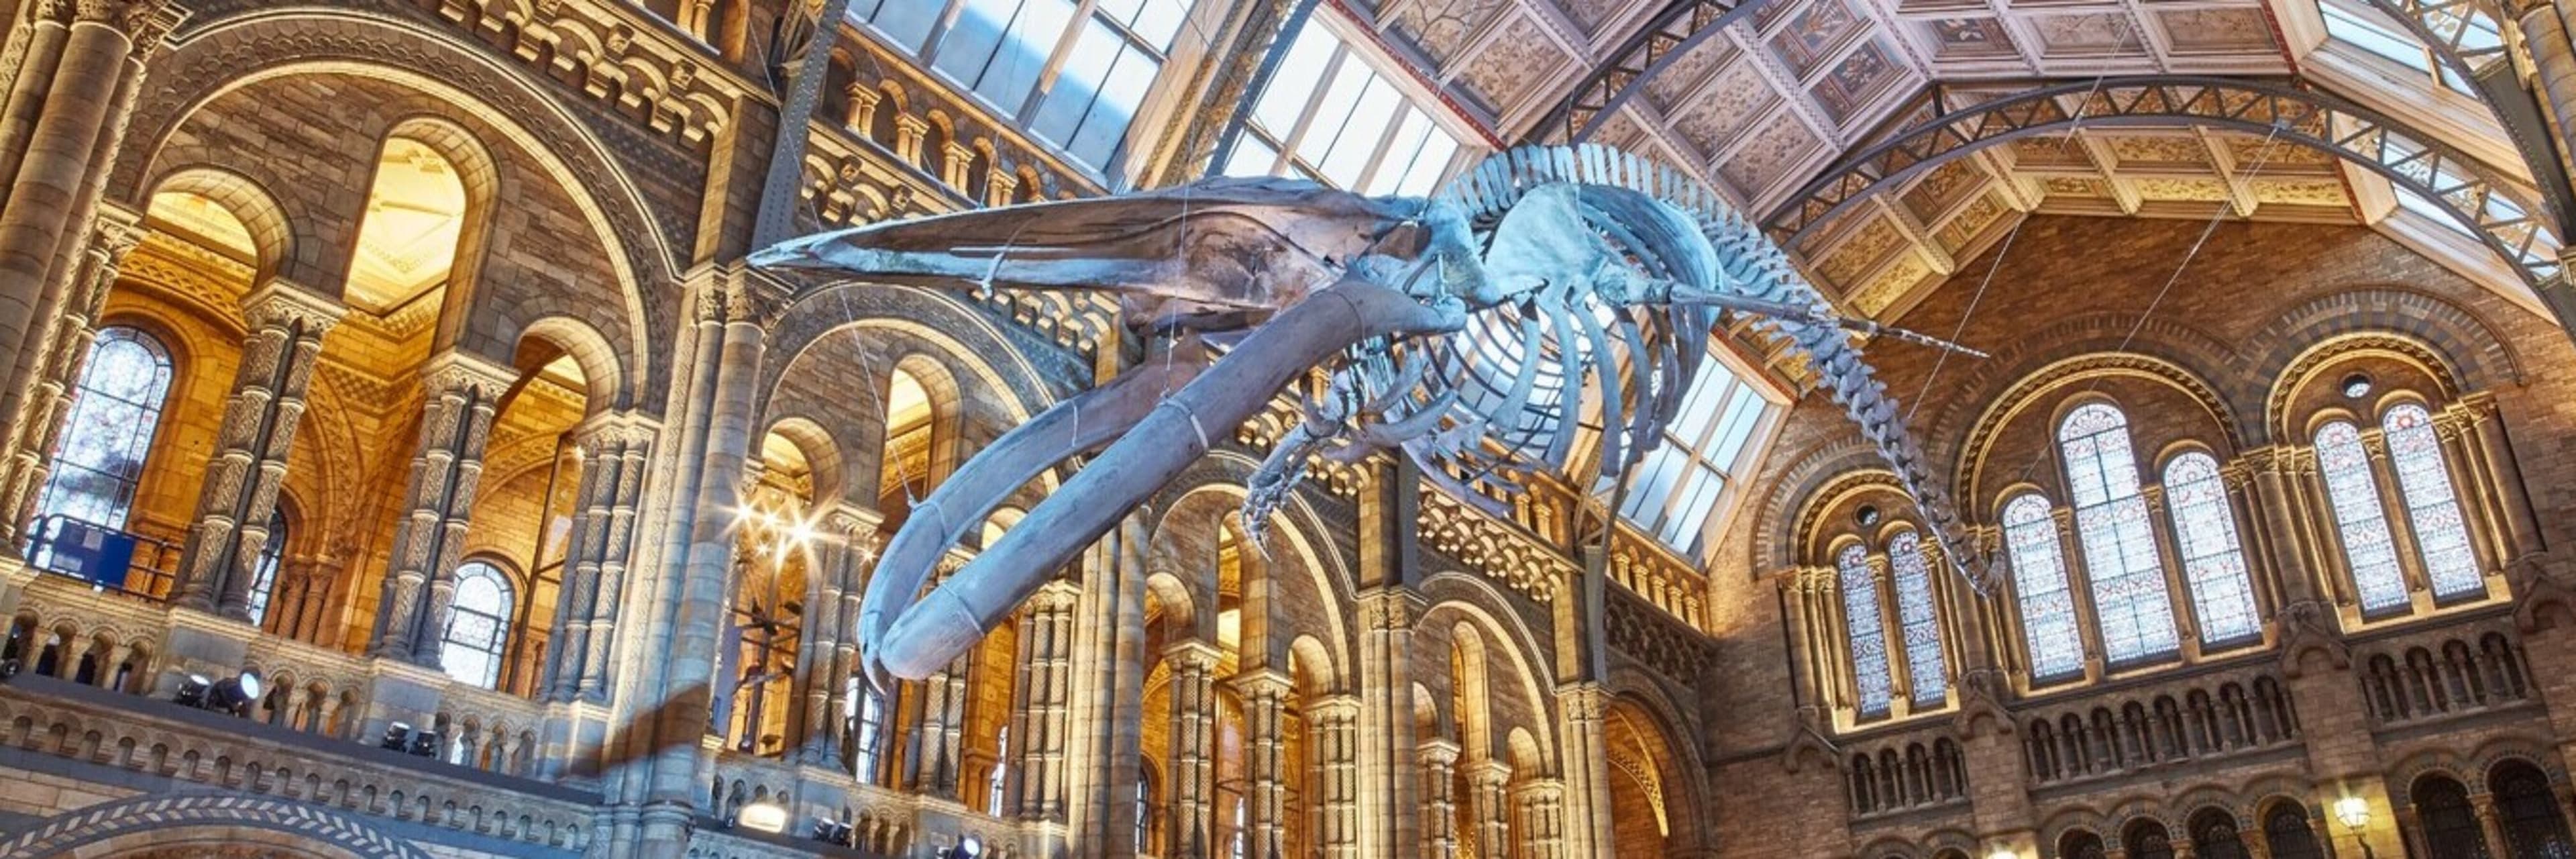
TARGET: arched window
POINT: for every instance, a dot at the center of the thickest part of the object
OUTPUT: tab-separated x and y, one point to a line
2212	561
2149	840
478	625
263	578
2079	845
2214	835
1865	631
2441	536
108	430
1001	771
2287	833
904	474
1919	620
2450	825
866	729
2129	598
2533	828
2367	547
1144	809
2039	578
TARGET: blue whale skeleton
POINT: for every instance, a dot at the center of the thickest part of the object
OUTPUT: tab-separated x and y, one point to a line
1472	331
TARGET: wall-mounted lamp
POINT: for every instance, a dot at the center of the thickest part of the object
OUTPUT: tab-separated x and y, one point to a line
2353	812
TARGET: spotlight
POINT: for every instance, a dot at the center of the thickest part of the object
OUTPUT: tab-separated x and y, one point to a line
8	668
397	737
424	744
968	847
831	831
192	692
235	694
762	816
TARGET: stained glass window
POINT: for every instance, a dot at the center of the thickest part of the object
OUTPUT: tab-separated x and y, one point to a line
2111	523
263	580
2039	578
2415	451
2367	547
1919	620
109	428
2213	564
478	625
1868	635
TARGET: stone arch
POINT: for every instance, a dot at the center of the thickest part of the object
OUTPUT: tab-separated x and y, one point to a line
152	820
273	235
822	454
637	231
2310	364
2046	387
1461	599
2465	342
603	373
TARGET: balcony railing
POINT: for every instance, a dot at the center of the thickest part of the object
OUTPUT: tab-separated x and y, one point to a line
106	558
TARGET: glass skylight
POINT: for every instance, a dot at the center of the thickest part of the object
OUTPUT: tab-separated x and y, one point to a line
2376	35
1104	62
1676	491
1332	115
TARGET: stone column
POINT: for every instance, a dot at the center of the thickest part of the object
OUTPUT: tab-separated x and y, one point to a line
1193	747
39	423
1585	799
1539	805
2401	526
461	393
1046	696
248	467
1265	697
861	107
2179	600
1490	806
613	450
2490	823
909	130
931	761
60	130
1387	786
680	643
2481	504
1439	759
2492	455
820	674
2079	587
1336	743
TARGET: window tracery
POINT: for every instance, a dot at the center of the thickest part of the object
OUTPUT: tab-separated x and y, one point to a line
2222	591
1918	620
1865	631
2112	525
114	410
2370	551
2047	604
478	625
2432	507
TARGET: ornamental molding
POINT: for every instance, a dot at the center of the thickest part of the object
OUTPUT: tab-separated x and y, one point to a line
2032	389
66	834
1498	550
2302	370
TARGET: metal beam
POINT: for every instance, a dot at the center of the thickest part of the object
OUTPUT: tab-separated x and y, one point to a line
2504	215
1665	38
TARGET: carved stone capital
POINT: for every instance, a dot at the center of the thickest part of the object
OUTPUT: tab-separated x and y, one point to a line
1193	655
1437	752
280	303
736	296
1257	683
1390	608
607	433
455	371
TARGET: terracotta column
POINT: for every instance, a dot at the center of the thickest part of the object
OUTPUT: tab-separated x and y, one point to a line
1193	747
1585	798
1387	795
1046	695
60	129
820	674
1539	805
1336	743
1265	697
40	421
613	449
1439	759
248	467
1491	807
681	643
461	393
